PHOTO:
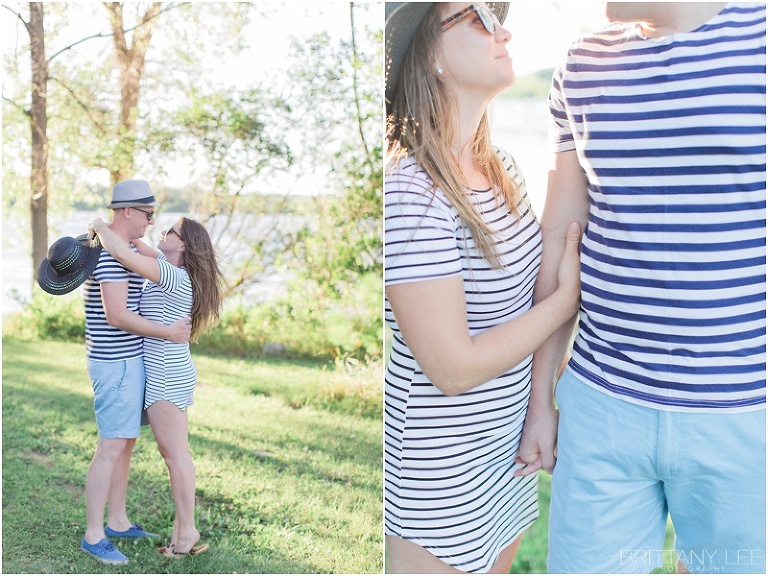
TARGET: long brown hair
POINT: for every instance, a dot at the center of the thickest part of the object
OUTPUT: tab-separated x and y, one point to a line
207	280
422	123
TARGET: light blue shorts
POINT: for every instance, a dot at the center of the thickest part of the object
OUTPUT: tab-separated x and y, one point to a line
621	468
118	396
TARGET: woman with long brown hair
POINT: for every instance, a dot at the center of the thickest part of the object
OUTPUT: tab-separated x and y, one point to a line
462	253
184	280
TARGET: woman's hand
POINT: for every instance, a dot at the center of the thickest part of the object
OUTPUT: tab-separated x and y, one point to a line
94	226
569	272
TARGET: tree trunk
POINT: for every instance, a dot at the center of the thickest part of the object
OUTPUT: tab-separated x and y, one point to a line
130	63
39	124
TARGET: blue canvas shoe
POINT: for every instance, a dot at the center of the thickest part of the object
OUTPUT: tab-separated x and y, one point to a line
135	531
104	551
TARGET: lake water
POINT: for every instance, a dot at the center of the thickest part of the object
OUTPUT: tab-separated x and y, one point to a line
519	126
17	264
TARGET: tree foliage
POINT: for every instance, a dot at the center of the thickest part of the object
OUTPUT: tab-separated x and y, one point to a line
130	95
342	251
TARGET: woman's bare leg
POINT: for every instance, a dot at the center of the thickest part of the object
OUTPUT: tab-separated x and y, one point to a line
404	557
505	559
170	427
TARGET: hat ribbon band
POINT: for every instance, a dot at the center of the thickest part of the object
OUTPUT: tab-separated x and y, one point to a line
145	200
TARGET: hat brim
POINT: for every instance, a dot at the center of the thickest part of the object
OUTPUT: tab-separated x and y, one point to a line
402	21
116	205
57	285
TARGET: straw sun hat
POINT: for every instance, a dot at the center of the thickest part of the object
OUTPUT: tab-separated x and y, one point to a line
70	261
403	19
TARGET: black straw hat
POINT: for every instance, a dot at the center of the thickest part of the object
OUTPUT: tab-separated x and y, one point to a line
402	21
70	261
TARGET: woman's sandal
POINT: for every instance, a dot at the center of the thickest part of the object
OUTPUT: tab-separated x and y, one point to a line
170	552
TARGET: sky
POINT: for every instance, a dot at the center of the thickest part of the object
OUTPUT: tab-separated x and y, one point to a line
268	35
541	33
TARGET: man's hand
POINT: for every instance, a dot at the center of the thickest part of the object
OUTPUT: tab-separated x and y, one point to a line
181	330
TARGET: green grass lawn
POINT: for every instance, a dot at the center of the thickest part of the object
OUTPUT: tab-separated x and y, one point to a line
282	487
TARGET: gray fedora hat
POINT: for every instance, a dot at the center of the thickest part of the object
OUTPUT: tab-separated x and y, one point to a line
402	21
130	193
70	261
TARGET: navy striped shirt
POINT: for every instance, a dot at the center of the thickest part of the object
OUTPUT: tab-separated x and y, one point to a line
102	341
671	135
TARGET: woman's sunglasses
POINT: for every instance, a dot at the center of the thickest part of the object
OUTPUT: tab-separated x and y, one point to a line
170	230
487	18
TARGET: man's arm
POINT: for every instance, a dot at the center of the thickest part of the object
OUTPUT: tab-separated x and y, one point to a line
567	201
114	296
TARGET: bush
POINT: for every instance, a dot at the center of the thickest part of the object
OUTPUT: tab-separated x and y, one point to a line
306	323
352	388
347	385
303	326
48	317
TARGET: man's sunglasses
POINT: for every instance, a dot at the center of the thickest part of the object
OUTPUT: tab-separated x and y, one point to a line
146	213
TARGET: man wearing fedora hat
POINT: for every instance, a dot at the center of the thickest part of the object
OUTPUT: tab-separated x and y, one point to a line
114	333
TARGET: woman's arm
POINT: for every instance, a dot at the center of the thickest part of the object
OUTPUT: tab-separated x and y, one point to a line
144	248
432	318
145	266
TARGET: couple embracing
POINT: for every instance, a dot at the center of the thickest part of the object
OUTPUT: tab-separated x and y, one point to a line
652	242
142	306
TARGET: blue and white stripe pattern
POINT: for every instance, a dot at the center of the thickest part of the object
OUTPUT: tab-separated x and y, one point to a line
673	259
449	459
171	373
102	341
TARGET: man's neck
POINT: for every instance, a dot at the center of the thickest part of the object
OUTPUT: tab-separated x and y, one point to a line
124	234
680	17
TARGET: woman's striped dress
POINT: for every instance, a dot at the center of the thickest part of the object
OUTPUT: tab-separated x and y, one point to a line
171	374
449	460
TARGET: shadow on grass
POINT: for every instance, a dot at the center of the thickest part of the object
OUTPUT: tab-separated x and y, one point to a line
336	444
44	509
48	439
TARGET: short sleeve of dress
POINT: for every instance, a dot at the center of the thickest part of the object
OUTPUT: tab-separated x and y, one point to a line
513	170
560	134
171	277
420	239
